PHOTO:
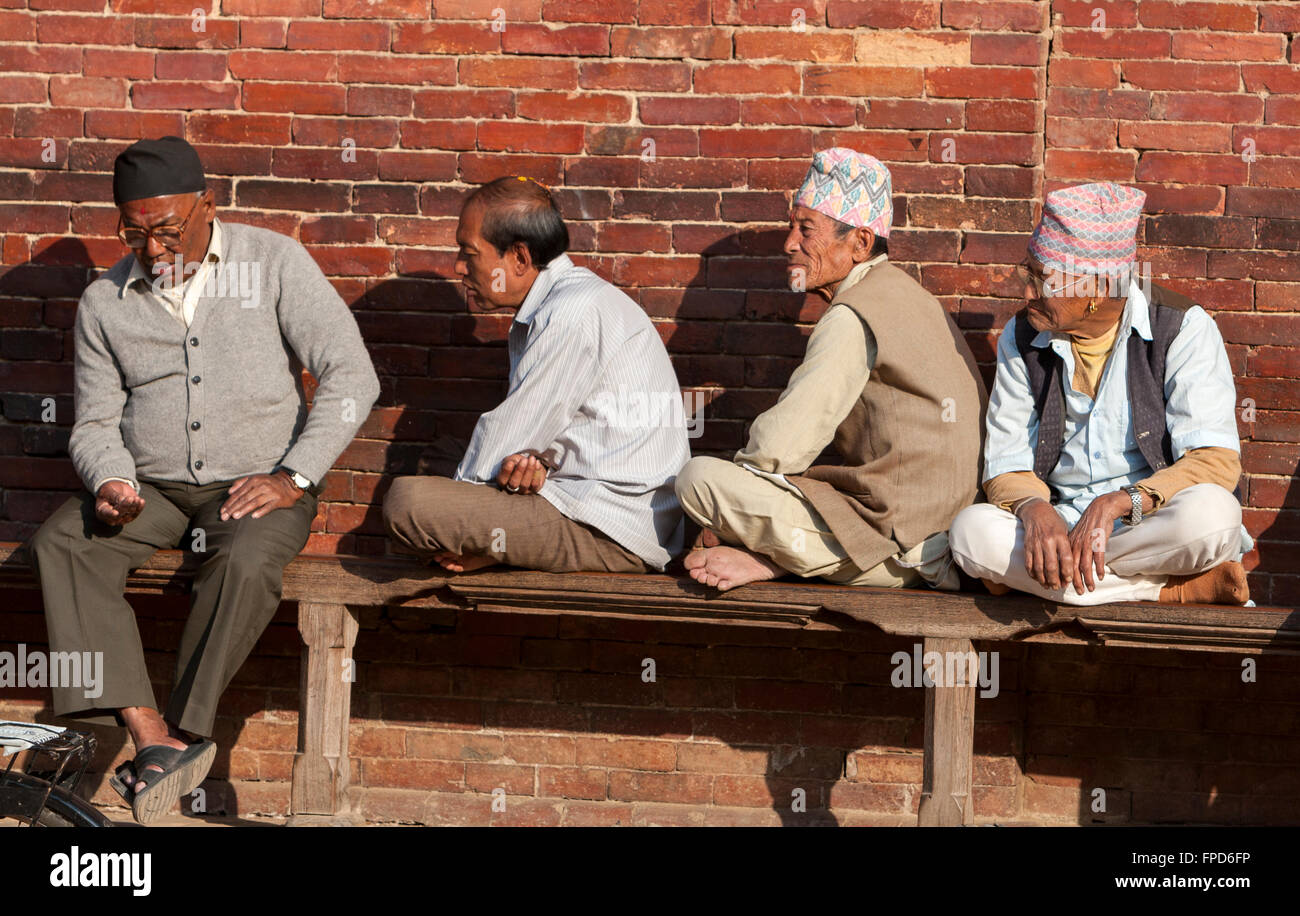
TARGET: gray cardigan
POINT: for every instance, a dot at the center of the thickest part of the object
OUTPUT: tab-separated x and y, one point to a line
220	399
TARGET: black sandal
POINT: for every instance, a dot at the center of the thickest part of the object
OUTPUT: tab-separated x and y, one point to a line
182	771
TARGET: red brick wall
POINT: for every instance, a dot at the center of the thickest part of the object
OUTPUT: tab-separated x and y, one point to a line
1196	103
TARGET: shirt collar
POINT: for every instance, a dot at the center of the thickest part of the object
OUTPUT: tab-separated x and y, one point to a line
857	273
1136	317
216	251
541	287
1137	311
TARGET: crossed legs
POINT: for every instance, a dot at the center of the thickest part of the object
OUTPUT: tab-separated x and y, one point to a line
779	532
1197	530
483	525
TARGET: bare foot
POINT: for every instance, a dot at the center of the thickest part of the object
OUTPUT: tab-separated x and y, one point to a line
1224	584
995	588
148	728
459	563
706	538
726	568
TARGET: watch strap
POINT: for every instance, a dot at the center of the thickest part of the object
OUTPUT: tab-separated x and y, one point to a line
1135	497
301	481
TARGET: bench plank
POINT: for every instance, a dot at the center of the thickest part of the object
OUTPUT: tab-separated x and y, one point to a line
325	586
397	581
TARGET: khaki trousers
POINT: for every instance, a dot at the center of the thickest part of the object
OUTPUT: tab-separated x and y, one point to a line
82	565
428	514
764	517
1199	528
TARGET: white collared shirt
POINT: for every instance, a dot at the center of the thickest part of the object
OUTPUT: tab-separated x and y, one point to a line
183	300
591	382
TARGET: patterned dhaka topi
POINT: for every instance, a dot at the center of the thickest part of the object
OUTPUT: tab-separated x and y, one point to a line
851	187
1089	229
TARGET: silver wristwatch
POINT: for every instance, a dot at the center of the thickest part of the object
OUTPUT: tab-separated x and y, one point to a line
299	481
1136	515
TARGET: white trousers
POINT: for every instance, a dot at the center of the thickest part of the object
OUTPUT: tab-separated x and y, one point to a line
1199	528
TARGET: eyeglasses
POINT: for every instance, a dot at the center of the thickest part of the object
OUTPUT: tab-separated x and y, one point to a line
168	236
1042	285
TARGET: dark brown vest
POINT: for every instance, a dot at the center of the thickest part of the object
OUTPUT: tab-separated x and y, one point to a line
1146	383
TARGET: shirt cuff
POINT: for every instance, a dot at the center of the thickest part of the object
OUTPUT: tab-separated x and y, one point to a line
99	483
1202	465
1007	490
1008	464
1185	442
1157	498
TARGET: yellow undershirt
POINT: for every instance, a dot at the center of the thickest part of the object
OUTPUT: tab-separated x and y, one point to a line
1090	356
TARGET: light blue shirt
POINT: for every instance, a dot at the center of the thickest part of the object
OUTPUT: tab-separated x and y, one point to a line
1100	453
591	382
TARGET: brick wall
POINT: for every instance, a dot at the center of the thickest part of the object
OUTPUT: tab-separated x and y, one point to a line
554	712
978	106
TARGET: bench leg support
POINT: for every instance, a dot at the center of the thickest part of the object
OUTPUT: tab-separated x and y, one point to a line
949	740
321	766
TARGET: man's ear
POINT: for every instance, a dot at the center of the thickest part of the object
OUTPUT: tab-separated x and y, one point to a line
866	240
522	257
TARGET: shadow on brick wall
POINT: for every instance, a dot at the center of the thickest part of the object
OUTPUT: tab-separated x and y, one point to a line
38	301
1279	551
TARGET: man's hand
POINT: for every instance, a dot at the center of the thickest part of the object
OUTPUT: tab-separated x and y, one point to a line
1089	537
117	503
1048	555
258	494
522	473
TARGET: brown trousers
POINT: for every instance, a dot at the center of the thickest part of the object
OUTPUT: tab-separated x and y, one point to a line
430	514
83	563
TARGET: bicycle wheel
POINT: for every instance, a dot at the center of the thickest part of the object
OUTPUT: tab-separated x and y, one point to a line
20	799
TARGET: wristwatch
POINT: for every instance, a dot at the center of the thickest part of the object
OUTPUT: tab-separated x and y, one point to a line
1136	515
299	481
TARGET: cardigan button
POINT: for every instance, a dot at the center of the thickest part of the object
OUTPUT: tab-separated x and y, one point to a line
195	425
198	465
194	341
195	380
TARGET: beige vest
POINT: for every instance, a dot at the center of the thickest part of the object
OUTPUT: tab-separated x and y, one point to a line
911	445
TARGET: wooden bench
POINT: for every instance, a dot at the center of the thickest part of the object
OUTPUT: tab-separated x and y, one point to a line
328	587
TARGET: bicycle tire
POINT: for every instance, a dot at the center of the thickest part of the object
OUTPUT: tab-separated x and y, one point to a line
20	795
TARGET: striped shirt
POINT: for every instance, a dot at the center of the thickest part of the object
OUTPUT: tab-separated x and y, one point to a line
592	385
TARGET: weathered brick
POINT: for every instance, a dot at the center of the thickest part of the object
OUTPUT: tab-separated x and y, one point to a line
1222	46
983	82
864	81
1180	75
680	43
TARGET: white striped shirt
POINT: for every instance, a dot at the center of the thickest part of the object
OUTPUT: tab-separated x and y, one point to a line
591	382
